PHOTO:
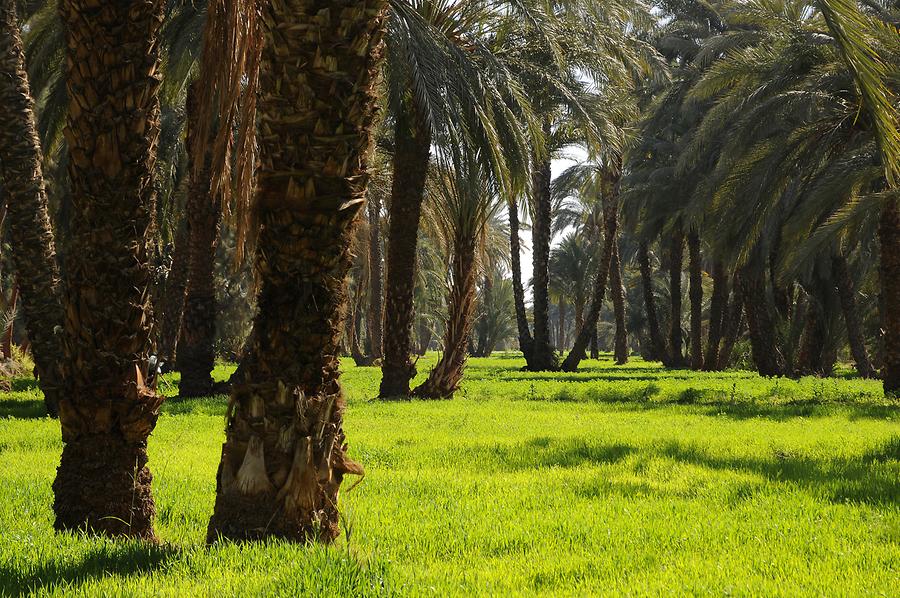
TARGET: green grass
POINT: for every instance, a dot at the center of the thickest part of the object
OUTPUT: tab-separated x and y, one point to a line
616	480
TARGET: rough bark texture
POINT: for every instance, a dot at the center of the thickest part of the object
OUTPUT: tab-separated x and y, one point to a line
196	357
696	294
733	325
447	374
284	456
617	290
543	357
589	327
412	148
717	317
106	410
376	273
767	354
525	340
172	310
657	341
676	259
30	233
889	235
847	295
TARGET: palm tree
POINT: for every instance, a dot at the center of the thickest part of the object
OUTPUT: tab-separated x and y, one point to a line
285	453
33	247
106	410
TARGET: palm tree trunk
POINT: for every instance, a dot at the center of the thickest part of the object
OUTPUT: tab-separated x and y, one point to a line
594	344
733	326
676	259
767	354
198	328
617	290
809	360
525	340
561	334
356	320
425	334
589	327
445	378
657	342
172	309
717	317
10	328
30	233
284	456
543	358
889	236
847	295
376	272
412	149
696	293
106	411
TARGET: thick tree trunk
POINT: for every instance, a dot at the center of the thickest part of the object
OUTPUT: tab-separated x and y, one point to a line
196	357
445	378
589	327
376	273
172	309
847	295
889	235
717	317
284	456
525	340
657	341
106	411
30	233
676	259
617	290
696	294
733	326
543	357
767	354
412	148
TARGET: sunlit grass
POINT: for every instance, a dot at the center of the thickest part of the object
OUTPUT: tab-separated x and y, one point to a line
614	480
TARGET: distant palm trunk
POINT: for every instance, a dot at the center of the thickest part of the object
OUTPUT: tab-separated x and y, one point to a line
10	328
543	358
412	150
767	354
812	341
561	335
889	235
696	293
847	296
30	233
657	341
447	374
617	290
717	317
594	344
734	323
172	309
525	340
376	271
676	259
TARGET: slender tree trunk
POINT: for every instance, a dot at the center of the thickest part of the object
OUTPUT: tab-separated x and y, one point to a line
172	309
106	411
425	334
676	259
412	149
447	374
284	456
812	341
657	342
198	328
889	236
543	358
717	317
356	328
30	233
589	327
481	347
525	340
562	323
733	325
11	325
617	290
376	272
763	338
594	343
696	293
847	295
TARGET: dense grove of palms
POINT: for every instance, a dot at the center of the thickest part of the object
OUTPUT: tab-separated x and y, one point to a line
286	183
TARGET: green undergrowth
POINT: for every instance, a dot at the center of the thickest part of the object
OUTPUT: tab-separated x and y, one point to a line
615	480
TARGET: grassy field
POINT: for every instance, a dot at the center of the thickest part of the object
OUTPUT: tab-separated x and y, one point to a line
616	480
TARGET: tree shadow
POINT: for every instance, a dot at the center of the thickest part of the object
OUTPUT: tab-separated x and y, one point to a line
541	452
134	558
29	408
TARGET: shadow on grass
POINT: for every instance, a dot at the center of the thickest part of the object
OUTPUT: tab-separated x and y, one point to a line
96	562
23	408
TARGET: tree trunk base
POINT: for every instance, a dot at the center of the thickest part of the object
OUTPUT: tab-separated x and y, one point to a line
103	486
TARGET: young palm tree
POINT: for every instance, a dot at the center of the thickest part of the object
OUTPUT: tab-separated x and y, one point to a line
106	409
33	248
285	453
